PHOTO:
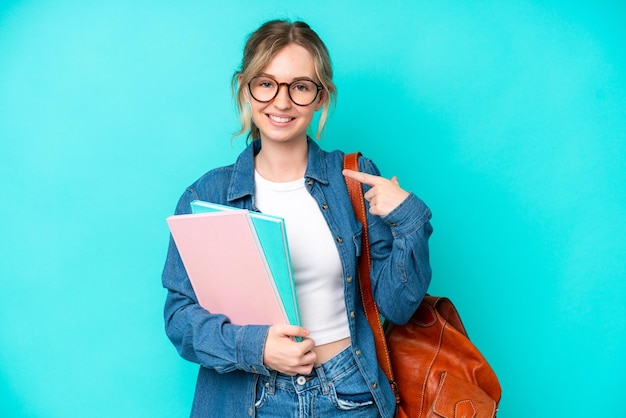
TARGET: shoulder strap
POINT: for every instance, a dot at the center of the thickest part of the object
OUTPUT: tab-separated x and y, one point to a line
351	162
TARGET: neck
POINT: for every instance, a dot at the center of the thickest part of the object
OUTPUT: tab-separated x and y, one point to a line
282	162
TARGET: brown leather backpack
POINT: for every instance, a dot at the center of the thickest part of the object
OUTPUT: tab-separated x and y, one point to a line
432	366
437	369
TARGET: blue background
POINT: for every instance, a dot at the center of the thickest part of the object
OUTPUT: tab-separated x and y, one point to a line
507	118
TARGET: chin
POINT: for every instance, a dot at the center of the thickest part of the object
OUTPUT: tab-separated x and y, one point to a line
282	136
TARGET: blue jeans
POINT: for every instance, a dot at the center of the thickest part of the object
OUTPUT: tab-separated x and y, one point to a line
334	389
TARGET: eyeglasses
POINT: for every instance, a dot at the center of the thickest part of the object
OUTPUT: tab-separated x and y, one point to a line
302	92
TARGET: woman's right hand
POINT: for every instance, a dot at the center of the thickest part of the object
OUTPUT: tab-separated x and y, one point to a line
283	354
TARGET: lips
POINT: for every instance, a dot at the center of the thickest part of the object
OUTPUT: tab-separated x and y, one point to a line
280	119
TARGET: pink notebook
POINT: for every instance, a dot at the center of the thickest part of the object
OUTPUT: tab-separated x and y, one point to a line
226	267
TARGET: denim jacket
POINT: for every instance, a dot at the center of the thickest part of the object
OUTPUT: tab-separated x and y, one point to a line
231	356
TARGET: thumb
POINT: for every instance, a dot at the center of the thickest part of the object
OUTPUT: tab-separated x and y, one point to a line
291	331
395	181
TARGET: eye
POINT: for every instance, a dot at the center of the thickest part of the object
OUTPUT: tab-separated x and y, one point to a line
302	86
265	83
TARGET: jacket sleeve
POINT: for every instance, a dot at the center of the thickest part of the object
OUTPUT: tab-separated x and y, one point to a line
202	337
401	270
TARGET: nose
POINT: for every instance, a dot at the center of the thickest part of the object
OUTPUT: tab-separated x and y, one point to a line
282	99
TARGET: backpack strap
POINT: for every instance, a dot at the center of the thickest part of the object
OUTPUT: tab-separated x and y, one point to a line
351	162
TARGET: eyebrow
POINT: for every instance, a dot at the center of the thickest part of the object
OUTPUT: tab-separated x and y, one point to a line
292	80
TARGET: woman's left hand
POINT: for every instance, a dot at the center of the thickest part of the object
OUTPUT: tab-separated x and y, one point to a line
385	194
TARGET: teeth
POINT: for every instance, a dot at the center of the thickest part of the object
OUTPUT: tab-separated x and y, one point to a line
279	119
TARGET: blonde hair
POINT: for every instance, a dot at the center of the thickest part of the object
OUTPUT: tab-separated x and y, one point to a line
261	46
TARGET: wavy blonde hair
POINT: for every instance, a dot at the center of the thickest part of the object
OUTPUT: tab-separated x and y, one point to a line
261	46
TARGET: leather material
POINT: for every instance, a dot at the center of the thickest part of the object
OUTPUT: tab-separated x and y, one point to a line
438	370
433	367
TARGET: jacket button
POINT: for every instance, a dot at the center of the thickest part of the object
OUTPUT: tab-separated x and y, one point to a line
349	279
357	352
352	314
374	385
339	239
301	380
324	206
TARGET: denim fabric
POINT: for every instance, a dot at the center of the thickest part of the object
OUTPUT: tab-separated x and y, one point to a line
231	356
334	389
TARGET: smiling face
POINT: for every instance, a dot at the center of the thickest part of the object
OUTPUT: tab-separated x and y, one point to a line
281	120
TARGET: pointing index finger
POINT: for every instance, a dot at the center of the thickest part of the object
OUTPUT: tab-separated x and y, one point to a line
361	177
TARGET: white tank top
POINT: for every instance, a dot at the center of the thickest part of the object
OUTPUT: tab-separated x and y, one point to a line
316	263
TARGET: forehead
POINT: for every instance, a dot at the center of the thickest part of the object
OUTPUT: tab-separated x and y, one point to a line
291	62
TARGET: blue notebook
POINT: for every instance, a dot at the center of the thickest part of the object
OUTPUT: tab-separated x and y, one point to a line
273	238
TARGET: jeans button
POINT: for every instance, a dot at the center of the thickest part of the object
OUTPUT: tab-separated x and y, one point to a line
301	380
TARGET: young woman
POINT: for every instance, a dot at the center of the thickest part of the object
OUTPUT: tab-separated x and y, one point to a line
260	370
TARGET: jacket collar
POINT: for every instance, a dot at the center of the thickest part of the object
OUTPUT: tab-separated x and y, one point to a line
242	181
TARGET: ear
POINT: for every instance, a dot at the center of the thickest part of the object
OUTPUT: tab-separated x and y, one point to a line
245	91
321	98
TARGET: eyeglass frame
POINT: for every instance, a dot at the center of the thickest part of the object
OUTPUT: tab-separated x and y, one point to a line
317	92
